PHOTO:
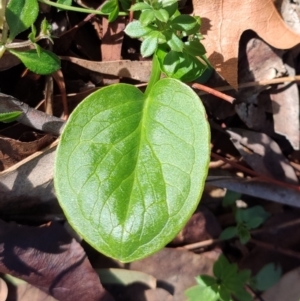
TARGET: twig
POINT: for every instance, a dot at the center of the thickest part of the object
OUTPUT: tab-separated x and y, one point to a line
210	242
255	174
31	117
213	91
204	243
59	78
271	247
258	83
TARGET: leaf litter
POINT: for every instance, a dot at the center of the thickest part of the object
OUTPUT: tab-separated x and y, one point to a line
267	116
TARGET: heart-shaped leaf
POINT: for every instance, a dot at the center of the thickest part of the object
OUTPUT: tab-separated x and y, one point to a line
130	169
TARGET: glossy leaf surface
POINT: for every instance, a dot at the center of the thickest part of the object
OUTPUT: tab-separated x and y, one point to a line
130	169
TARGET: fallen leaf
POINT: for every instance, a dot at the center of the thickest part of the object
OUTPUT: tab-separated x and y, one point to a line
224	21
263	154
50	259
290	12
256	188
27	292
13	151
285	103
175	270
138	70
29	184
111	43
202	225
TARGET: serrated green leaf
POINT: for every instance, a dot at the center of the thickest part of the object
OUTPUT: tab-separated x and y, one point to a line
224	294
242	295
140	6
109	6
184	23
194	48
172	9
166	3
228	233
171	63
149	46
181	66
130	170
20	15
255	216
146	17
44	63
136	30
174	42
243	233
9	117
206	280
162	15
200	293
268	276
224	270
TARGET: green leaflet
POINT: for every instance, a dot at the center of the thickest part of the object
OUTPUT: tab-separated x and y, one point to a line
130	170
10	116
42	62
20	14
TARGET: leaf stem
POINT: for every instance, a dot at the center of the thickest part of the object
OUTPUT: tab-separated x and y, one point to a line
155	75
78	9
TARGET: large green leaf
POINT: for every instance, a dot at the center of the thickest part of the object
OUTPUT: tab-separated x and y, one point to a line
130	170
20	15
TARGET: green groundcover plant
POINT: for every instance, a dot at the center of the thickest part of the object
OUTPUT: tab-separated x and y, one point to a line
130	165
246	219
229	283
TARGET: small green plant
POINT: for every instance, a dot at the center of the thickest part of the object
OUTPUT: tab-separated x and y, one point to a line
246	219
228	282
17	17
20	15
130	166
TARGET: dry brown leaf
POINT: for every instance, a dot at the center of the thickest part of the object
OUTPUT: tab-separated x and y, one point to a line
263	154
224	21
176	269
111	44
13	151
50	259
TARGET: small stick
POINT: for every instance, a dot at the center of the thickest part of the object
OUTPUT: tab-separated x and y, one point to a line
265	82
214	92
255	174
271	247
